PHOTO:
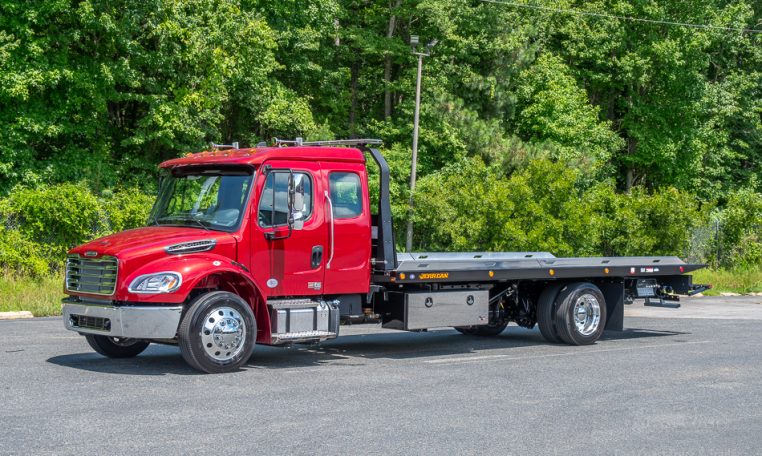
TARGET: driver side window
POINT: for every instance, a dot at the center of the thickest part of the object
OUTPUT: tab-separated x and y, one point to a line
273	203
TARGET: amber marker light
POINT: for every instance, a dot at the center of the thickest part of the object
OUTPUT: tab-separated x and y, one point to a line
402	276
606	270
492	273
552	272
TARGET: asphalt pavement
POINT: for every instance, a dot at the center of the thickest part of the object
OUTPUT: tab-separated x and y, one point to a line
685	381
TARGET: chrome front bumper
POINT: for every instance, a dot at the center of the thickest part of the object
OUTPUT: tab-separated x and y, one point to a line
137	322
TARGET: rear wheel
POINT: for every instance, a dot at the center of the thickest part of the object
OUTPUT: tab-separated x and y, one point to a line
217	333
116	347
580	314
546	312
482	330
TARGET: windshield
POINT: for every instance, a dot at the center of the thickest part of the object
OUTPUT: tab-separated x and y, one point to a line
206	199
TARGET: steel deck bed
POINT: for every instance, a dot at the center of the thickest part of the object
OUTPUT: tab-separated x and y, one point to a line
502	266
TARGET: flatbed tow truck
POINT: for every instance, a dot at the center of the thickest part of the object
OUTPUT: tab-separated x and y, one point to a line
279	245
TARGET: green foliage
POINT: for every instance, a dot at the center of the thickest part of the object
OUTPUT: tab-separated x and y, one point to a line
39	295
739	241
126	208
56	218
38	225
578	135
96	84
469	206
553	108
643	223
730	280
21	257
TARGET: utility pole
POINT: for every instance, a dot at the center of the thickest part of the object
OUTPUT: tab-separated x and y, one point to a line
414	44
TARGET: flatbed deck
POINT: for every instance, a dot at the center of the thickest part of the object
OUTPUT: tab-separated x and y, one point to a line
502	266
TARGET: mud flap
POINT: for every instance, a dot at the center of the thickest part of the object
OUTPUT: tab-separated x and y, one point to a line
613	292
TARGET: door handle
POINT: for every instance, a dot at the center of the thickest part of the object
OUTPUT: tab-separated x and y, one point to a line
317	256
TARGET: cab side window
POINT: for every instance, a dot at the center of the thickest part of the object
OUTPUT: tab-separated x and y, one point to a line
273	203
346	195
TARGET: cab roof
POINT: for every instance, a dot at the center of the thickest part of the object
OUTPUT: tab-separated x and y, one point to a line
257	155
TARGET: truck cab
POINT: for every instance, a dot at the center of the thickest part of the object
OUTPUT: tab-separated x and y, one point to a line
279	245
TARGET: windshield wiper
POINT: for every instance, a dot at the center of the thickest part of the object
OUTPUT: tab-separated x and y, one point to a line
183	219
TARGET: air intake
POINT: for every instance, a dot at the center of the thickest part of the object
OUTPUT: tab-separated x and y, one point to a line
191	247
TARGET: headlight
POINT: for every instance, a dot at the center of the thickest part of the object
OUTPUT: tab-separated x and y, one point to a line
160	282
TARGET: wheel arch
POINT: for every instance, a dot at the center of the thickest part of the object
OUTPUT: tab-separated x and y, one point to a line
239	284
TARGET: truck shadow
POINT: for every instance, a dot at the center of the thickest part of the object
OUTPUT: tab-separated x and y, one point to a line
346	351
351	350
156	360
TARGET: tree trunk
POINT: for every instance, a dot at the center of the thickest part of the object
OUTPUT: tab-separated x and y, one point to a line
354	75
388	61
629	180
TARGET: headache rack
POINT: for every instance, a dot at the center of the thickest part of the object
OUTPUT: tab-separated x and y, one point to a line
331	142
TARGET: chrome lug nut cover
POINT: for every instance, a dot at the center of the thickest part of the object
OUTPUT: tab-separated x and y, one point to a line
223	333
587	314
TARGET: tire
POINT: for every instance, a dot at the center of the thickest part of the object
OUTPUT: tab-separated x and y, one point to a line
217	333
116	347
580	314
546	310
482	330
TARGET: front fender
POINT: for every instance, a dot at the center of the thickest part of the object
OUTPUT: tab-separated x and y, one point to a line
195	269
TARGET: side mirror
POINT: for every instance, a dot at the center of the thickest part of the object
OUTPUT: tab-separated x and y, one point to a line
296	201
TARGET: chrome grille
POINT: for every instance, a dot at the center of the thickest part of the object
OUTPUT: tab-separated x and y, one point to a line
91	275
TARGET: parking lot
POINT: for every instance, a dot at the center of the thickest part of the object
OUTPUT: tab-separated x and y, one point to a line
685	381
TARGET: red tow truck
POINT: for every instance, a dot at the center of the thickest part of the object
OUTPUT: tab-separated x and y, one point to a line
280	245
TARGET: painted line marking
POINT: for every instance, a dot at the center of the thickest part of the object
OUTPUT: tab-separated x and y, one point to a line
507	357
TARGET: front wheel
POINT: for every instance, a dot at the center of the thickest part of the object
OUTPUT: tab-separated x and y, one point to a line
482	330
217	333
116	347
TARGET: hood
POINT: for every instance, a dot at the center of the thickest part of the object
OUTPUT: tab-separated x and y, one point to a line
150	241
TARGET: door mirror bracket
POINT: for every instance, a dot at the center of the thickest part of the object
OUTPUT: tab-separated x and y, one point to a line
295	219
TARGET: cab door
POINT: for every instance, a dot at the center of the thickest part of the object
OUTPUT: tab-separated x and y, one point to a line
286	261
349	228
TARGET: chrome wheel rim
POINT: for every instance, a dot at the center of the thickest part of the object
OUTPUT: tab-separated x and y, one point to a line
223	333
587	314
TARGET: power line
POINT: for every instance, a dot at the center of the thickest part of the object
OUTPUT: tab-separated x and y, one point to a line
615	16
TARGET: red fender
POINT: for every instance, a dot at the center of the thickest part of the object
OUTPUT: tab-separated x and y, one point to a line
203	270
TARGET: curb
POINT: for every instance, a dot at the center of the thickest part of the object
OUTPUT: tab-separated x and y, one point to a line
15	315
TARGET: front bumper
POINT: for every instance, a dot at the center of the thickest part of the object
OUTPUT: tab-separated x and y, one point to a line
137	322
